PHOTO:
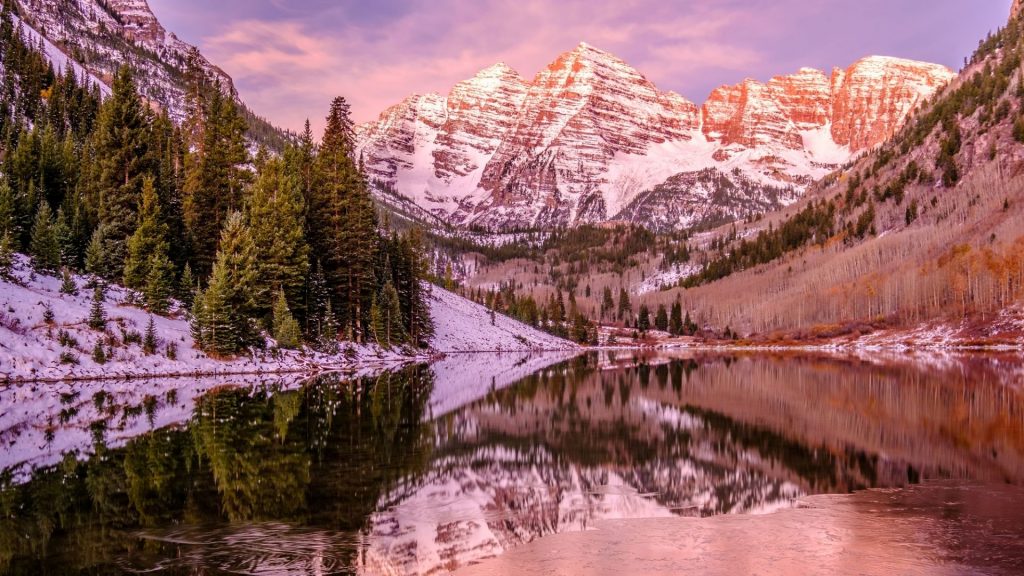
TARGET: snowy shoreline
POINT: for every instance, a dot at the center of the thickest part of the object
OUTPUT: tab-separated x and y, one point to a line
45	337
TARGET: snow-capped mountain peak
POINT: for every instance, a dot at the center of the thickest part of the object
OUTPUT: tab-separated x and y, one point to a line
589	136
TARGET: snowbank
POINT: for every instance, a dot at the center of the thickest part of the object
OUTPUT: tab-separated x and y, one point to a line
31	349
464	326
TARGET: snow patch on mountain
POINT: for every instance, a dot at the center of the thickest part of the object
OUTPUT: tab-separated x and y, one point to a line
589	134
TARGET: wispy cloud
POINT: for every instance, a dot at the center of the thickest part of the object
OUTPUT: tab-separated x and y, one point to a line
290	58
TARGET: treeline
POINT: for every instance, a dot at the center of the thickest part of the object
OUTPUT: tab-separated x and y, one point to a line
552	316
814	224
288	243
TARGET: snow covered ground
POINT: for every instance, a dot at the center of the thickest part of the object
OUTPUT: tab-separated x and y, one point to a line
464	326
666	278
31	349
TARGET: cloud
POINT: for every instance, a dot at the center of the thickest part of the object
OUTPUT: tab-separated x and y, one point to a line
289	59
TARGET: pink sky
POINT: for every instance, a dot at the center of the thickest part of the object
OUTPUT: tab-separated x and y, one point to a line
289	58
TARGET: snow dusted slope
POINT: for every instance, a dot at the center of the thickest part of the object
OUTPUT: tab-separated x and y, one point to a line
464	326
30	349
106	34
589	135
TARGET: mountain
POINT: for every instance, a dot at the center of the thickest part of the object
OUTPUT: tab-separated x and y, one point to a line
590	139
99	36
921	238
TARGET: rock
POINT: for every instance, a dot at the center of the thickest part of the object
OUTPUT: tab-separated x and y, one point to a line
589	135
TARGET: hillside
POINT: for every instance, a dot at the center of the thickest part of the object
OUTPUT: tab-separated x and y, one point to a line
926	230
99	36
33	349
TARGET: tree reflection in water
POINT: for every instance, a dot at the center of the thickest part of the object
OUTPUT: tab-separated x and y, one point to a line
356	476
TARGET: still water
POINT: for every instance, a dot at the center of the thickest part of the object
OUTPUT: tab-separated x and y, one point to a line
608	463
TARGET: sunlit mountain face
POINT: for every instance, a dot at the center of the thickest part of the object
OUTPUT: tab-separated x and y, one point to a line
370	476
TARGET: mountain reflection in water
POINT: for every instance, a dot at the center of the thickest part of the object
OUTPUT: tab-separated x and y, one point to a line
431	469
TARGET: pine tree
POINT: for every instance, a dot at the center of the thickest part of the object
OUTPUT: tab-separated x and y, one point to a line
98	354
675	323
286	327
328	337
97	315
342	214
215	179
148	242
661	318
607	302
8	210
625	308
225	318
688	326
386	317
149	343
317	303
121	143
64	232
643	321
275	212
44	248
67	284
6	254
199	319
187	286
159	283
95	255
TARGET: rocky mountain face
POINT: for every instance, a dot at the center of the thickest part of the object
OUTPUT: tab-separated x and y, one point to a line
96	37
590	139
102	35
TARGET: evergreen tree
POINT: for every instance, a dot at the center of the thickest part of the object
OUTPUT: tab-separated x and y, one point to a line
342	214
216	176
149	342
148	242
225	318
121	143
187	286
98	354
643	321
159	283
275	211
64	233
387	317
688	325
661	318
97	315
199	319
95	255
44	247
6	254
675	322
8	210
607	302
625	308
67	284
286	327
317	304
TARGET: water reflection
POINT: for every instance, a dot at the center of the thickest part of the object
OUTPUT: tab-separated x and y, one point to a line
421	472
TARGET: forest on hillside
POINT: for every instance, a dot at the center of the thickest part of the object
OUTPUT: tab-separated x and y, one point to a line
249	241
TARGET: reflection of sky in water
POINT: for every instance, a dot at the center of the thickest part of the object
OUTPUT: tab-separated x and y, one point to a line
424	471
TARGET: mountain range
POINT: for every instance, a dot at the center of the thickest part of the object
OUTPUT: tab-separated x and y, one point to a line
590	139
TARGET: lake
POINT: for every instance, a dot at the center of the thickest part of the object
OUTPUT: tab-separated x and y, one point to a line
607	463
